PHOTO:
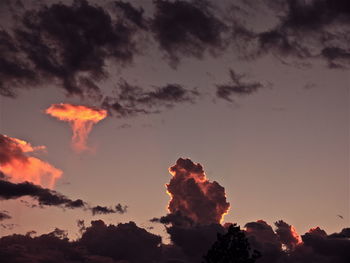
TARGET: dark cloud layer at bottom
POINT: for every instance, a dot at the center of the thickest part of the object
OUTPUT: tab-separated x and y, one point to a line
128	243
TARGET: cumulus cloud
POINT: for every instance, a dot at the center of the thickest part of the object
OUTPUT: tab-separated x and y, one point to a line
287	235
196	208
193	195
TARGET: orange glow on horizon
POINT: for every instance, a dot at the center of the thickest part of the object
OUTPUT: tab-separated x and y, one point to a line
81	119
20	167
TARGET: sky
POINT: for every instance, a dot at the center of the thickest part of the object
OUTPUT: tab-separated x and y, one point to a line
258	94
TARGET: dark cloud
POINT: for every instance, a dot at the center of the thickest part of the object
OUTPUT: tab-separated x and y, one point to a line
99	244
318	248
122	242
287	235
47	197
236	87
102	210
310	29
263	233
196	240
176	218
129	12
282	245
191	238
15	72
187	28
318	232
44	196
69	45
262	237
4	215
131	100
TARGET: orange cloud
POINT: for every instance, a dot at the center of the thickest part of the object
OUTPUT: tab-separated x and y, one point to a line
19	167
81	119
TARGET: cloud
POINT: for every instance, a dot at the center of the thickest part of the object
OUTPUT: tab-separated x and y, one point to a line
4	215
130	13
122	242
196	240
60	43
287	235
102	210
284	245
194	196
237	87
17	166
47	197
190	237
132	100
15	72
81	118
263	238
310	29
44	196
99	243
187	28
196	208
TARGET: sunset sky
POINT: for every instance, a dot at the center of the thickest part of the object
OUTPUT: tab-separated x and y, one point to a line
268	121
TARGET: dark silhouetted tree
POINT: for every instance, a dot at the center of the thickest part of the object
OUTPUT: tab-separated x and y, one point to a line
232	247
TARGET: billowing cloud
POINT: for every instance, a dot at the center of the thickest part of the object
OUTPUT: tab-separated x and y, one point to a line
194	196
263	238
317	231
196	209
121	242
18	166
288	235
81	118
48	197
187	28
